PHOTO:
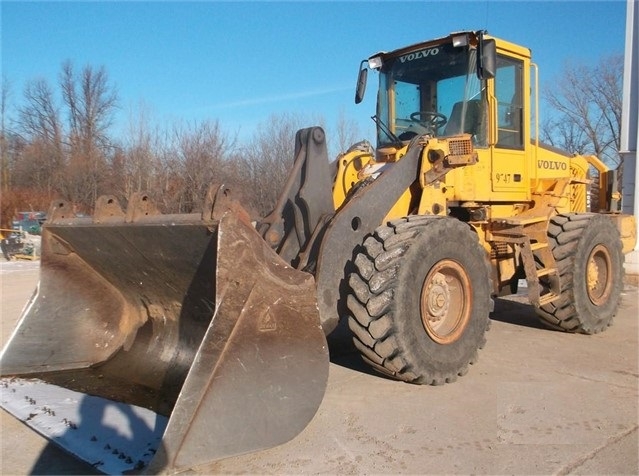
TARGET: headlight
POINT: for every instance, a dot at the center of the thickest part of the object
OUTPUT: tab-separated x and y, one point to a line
375	62
460	40
435	154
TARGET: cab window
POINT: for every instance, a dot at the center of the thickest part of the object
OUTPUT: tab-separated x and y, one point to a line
508	91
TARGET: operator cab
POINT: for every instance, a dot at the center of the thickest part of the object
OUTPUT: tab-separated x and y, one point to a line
437	89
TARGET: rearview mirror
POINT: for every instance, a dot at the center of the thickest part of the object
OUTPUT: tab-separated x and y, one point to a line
487	59
361	82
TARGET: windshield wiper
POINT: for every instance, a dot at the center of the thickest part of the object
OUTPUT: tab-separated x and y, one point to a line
396	141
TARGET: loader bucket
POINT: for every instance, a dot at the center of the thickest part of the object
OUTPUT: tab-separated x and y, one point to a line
161	342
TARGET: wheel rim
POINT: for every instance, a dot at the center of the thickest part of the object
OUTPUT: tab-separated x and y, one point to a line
598	275
446	302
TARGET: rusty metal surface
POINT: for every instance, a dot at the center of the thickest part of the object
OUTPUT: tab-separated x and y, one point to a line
193	319
262	368
130	301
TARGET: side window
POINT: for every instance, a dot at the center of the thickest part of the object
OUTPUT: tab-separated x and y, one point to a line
508	90
406	102
406	99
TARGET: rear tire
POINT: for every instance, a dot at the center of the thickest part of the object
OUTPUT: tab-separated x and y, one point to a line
419	299
588	252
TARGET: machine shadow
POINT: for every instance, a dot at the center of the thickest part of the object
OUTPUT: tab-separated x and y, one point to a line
53	460
344	353
517	313
110	438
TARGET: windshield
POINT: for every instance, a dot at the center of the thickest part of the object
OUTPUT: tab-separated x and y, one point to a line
433	91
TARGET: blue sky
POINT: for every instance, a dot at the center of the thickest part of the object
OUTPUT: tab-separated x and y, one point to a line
241	62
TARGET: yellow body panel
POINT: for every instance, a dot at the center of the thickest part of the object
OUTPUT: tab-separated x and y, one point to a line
499	178
627	226
349	165
503	178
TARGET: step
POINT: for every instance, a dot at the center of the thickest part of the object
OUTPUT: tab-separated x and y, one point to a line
546	271
522	220
538	246
548	298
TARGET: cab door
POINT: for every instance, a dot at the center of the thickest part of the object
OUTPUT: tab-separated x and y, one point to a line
510	172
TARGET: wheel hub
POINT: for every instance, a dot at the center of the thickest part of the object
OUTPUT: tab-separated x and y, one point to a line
438	299
446	301
592	275
598	275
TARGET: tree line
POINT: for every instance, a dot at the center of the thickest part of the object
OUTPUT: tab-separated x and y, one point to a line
587	101
58	143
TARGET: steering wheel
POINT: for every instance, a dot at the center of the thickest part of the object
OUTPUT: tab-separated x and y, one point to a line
430	118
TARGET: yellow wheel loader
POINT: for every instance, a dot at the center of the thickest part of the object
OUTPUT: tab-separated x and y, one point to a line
159	342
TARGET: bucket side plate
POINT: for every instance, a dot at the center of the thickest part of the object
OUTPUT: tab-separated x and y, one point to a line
261	372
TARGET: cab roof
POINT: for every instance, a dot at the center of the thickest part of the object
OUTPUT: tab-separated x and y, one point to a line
473	39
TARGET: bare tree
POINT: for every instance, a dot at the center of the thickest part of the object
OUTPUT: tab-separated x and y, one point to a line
90	101
5	93
39	121
25	176
198	158
347	132
135	167
267	159
587	100
565	135
65	147
40	116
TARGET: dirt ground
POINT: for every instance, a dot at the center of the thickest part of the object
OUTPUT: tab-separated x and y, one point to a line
537	402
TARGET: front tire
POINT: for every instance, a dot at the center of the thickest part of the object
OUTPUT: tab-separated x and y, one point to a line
419	299
588	252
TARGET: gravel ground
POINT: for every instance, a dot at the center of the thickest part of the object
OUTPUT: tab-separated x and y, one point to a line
537	402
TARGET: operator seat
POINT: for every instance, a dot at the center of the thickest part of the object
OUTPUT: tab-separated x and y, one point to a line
470	123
